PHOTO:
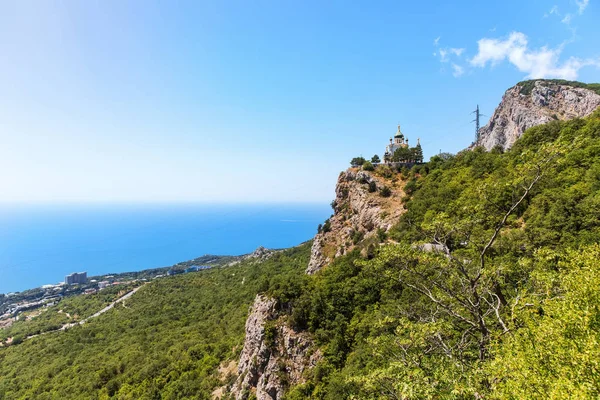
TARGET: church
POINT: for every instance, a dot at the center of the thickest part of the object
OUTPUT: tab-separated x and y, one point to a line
398	142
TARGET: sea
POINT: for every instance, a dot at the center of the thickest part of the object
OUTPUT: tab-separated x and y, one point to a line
40	244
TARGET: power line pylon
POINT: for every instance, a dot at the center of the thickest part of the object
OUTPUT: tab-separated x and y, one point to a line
476	120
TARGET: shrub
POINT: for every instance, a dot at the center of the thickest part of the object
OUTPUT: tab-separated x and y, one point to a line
381	235
385	191
384	171
270	334
410	186
357	236
367	166
372	186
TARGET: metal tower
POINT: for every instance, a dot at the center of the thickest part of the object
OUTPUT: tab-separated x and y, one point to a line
476	120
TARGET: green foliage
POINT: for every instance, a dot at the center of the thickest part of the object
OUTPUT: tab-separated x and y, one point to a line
375	159
357	236
357	161
372	186
385	192
167	341
326	226
367	166
553	351
408	154
402	154
384	171
527	86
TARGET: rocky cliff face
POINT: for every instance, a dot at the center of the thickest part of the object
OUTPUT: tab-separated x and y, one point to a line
358	213
274	356
533	103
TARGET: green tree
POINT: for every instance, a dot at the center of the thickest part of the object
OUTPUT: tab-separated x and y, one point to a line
417	153
357	161
402	154
375	159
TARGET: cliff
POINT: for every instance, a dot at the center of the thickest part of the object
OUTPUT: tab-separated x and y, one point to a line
358	214
532	103
274	356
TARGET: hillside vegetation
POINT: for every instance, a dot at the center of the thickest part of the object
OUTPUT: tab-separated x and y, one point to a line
506	307
166	342
527	86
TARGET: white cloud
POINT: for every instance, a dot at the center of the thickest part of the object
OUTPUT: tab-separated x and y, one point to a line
436	41
537	63
582	4
553	10
457	70
566	19
443	55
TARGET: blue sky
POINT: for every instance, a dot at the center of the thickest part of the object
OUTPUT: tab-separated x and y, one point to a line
262	101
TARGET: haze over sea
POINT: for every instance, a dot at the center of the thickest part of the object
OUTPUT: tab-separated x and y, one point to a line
40	244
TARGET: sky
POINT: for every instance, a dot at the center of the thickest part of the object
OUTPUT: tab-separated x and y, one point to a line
118	101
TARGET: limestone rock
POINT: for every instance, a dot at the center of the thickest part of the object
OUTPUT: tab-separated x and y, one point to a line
356	210
519	111
267	369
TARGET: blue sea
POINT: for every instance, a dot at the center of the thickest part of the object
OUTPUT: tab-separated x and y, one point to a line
41	244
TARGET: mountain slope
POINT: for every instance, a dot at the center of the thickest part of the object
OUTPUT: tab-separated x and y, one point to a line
536	102
480	267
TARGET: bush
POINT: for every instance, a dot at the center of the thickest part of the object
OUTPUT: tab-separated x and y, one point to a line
357	236
381	235
372	186
385	191
384	171
367	166
410	186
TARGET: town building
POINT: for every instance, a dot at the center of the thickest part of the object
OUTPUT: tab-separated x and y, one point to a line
76	278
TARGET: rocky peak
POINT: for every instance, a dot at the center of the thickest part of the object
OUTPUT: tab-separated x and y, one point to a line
358	214
532	103
262	253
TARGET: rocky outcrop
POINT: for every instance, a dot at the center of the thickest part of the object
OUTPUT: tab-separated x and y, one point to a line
262	253
358	214
533	103
274	356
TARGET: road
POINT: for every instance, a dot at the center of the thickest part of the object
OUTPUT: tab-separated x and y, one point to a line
83	321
